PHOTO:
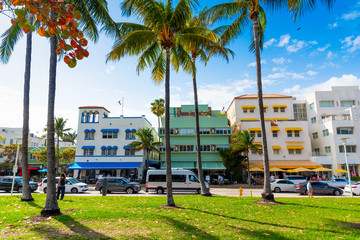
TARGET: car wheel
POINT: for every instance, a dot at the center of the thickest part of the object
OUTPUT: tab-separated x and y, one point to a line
198	191
129	190
74	190
277	190
337	193
45	189
159	190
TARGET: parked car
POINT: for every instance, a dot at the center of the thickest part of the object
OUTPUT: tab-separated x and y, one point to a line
281	185
297	179
355	188
118	184
6	183
183	180
320	188
339	182
72	185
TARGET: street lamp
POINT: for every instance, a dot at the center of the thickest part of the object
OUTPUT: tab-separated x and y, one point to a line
347	164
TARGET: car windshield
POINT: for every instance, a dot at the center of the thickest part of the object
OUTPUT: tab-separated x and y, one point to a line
73	180
19	180
125	180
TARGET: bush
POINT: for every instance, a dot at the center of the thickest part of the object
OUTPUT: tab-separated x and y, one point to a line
355	178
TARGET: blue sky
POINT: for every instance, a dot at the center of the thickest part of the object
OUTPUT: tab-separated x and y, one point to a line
324	52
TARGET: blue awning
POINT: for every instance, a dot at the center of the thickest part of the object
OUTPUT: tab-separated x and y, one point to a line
88	147
127	130
151	162
92	130
127	147
103	165
115	147
103	147
87	130
133	130
110	130
43	170
109	147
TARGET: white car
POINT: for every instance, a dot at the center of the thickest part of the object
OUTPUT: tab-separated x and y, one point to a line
355	188
297	179
282	185
72	185
339	182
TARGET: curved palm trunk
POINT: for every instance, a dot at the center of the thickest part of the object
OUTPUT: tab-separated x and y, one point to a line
204	190
267	195
248	167
26	194
51	207
169	193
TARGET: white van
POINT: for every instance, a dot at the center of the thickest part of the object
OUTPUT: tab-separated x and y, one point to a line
182	180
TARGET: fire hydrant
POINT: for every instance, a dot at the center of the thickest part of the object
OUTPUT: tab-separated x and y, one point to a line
240	192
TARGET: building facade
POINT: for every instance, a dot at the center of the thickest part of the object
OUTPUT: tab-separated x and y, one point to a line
287	134
102	144
334	115
214	135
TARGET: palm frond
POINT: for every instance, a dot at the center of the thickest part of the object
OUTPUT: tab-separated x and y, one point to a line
181	58
223	11
159	68
182	13
9	39
149	57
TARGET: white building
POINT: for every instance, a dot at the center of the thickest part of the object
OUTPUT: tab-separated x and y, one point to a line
102	144
286	129
334	115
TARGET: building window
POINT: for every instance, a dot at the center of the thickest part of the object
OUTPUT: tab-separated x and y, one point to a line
326	103
276	151
186	148
346	117
328	149
252	133
282	109
276	109
245	110
205	148
326	132
258	133
313	120
347	103
289	133
204	131
223	131
88	152
349	148
220	147
251	110
311	106
103	152
291	151
186	131
317	151
297	133
315	135
129	135
344	130
298	151
128	152
114	151
110	134
275	134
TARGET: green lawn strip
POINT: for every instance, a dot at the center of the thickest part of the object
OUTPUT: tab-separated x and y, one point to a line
114	217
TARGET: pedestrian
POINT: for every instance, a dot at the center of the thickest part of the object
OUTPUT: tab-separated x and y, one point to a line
272	178
252	180
309	189
61	186
219	179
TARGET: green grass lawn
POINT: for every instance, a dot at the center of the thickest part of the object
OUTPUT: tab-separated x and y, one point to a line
114	217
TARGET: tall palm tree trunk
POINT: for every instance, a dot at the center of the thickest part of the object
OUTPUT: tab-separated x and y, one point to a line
170	198
204	190
51	207
267	195
26	194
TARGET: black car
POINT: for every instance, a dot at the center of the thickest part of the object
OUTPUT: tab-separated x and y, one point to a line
6	183
118	184
320	188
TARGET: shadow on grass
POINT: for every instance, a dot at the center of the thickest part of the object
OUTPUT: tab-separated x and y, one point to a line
318	206
261	223
189	230
33	204
258	234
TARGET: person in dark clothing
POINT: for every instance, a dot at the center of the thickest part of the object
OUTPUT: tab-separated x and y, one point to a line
61	186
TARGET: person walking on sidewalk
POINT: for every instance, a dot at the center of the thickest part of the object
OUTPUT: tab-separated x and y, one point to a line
61	186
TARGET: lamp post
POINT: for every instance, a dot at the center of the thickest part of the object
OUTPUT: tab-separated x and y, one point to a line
347	164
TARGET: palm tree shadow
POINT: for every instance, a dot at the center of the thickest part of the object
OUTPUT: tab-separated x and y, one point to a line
317	206
33	204
259	234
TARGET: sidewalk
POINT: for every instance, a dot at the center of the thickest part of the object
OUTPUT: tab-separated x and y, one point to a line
242	185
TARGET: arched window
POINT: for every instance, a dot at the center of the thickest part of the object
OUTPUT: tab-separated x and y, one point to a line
96	116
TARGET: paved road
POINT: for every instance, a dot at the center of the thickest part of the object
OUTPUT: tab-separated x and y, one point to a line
232	192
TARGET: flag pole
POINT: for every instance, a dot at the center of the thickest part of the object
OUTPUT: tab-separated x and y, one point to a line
122	107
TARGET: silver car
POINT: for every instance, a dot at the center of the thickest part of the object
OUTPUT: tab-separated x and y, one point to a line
339	182
282	185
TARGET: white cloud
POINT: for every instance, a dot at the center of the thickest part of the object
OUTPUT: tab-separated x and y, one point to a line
334	25
110	69
331	55
311	73
352	43
323	48
280	61
351	16
344	80
284	40
270	42
310	65
253	64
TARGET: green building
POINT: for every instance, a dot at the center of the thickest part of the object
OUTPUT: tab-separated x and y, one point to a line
214	135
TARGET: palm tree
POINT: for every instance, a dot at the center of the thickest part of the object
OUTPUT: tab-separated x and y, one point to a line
60	132
196	50
70	137
161	36
94	12
233	160
158	109
247	11
145	141
10	37
244	141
